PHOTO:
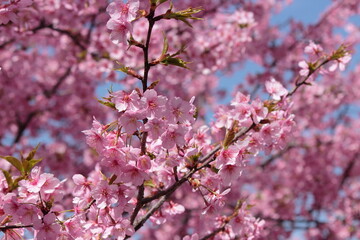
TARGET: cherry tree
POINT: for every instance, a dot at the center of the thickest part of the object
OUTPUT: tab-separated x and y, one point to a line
147	160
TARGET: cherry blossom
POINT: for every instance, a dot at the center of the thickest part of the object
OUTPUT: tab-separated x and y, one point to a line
275	89
340	63
278	154
304	68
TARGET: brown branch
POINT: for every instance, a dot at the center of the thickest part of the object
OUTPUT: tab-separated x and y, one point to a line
23	125
87	207
348	170
304	81
6	43
139	205
147	65
52	91
75	38
276	155
216	231
4	228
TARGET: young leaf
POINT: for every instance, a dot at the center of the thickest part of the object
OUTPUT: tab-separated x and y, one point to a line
149	183
32	153
8	178
32	163
183	15
108	104
153	84
175	61
14	161
165	46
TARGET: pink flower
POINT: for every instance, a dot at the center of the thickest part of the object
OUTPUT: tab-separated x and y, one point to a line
119	30
6	15
215	201
154	103
242	112
240	99
30	214
114	164
48	229
171	208
130	121
104	194
227	156
82	185
313	48
94	136
74	227
134	175
259	112
192	237
124	11
275	89
304	68
155	127
173	135
35	182
8	11
11	206
125	101
341	62
230	173
180	110
120	229
144	162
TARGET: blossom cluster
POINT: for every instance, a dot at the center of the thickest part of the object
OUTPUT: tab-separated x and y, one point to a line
32	204
316	52
159	160
166	122
8	11
121	15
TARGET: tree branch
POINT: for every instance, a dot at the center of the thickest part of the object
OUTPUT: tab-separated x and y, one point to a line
23	125
4	228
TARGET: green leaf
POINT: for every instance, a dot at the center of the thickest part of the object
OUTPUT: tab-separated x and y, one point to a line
8	178
108	104
14	161
122	68
151	155
149	183
165	46
32	163
342	51
32	153
250	206
181	50
214	169
183	15
175	61
230	134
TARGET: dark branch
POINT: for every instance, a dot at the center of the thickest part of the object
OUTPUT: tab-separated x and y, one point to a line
4	228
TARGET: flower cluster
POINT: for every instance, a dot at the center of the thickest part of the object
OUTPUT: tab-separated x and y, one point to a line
121	15
33	204
159	160
317	56
8	12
